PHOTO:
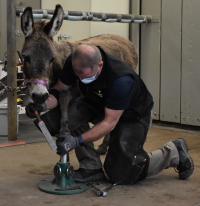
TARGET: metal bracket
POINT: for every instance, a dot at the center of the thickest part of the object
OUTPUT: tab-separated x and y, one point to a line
63	37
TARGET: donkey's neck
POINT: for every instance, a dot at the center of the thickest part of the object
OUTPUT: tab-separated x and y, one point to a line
63	50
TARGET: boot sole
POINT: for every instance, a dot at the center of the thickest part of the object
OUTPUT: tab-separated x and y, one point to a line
186	174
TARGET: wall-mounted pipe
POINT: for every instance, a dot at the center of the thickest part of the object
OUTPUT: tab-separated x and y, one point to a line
92	16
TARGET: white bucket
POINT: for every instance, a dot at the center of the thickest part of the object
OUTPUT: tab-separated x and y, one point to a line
4	119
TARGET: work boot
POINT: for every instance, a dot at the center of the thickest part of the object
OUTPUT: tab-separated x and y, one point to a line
186	165
87	175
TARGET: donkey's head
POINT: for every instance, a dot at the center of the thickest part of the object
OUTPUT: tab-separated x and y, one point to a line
39	51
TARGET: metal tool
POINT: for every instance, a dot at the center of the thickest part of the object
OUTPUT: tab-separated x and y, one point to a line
98	191
46	133
103	192
62	183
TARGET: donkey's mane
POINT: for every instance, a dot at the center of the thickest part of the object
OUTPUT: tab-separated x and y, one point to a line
39	25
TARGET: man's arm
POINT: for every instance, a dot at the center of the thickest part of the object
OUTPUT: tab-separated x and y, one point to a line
98	131
104	127
52	101
118	100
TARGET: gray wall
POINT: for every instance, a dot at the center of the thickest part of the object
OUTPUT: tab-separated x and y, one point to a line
190	74
170	97
36	4
3	26
150	52
170	59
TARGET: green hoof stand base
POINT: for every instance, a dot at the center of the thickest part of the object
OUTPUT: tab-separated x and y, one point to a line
62	183
71	188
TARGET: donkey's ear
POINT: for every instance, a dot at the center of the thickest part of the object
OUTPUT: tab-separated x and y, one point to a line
56	21
27	21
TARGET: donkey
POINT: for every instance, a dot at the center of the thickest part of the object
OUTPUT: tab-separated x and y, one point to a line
43	58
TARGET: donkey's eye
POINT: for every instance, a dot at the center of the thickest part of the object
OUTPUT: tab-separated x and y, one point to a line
52	60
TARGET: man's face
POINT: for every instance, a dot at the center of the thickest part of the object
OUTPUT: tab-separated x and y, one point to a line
86	72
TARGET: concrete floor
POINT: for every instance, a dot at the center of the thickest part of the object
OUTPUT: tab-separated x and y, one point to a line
22	167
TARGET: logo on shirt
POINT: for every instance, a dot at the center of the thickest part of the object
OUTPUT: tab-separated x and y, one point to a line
99	93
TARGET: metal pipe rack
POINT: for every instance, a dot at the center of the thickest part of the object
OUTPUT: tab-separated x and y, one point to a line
92	16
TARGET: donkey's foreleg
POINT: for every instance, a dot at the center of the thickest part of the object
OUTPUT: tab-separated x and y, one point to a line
64	99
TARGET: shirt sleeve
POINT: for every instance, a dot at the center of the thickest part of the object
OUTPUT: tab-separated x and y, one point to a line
67	75
120	93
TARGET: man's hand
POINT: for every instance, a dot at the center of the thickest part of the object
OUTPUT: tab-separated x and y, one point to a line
67	142
32	107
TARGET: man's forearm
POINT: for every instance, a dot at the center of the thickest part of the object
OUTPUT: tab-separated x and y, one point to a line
98	131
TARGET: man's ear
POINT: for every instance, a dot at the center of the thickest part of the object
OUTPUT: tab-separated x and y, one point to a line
56	21
27	22
101	64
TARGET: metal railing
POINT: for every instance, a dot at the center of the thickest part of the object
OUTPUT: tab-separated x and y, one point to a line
92	16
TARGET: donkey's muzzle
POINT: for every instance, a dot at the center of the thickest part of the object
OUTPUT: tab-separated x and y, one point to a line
39	98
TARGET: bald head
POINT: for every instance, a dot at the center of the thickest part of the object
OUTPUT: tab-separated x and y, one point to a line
88	56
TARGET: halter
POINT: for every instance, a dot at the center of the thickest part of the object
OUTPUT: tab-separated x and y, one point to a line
38	81
41	82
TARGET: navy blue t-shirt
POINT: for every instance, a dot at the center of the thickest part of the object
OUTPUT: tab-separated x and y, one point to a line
119	95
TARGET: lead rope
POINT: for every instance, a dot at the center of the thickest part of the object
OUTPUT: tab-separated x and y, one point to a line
6	88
